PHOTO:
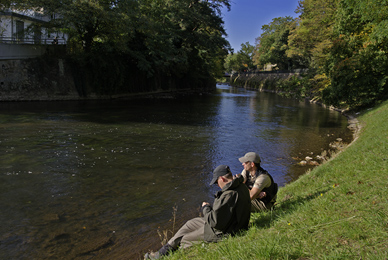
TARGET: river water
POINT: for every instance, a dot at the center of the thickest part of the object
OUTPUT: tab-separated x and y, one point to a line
99	179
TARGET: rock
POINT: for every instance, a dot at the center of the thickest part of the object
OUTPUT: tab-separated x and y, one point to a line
315	163
308	158
302	163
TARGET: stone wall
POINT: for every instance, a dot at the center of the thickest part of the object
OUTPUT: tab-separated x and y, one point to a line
32	79
263	80
258	77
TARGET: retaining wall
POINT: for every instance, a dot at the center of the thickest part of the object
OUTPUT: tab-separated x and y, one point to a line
28	79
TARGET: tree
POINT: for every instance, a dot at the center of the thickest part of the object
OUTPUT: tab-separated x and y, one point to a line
180	36
232	63
246	55
162	38
311	39
87	22
358	61
272	44
242	60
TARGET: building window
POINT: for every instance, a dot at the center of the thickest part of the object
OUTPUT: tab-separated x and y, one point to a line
20	31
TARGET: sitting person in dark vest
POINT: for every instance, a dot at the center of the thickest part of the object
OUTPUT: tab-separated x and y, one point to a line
229	215
263	189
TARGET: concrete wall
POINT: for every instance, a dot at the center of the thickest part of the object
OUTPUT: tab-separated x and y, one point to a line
21	51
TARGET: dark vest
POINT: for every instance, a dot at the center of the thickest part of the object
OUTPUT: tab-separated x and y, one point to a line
271	191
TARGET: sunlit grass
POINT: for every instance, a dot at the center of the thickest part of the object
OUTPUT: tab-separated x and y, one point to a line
337	211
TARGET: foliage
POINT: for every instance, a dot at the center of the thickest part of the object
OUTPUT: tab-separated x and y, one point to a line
272	44
310	41
358	61
232	63
242	60
182	36
344	45
294	87
161	37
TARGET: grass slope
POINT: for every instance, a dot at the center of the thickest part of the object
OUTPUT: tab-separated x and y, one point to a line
337	211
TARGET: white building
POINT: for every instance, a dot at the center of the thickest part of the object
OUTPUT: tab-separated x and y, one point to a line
24	33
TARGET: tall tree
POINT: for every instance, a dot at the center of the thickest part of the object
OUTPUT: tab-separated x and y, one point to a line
311	39
272	44
246	55
185	35
242	60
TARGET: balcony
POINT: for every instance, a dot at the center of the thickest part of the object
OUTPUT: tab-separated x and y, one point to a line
32	40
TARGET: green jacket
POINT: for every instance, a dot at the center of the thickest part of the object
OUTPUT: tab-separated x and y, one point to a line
230	212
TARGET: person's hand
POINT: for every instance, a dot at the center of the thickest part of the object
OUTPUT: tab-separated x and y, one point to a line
262	194
236	176
205	203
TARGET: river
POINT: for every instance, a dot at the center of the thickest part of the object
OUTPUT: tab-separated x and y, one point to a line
99	179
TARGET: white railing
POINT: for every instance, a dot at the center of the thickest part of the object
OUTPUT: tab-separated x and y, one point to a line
27	40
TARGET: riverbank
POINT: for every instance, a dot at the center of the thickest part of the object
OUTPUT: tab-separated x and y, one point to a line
339	210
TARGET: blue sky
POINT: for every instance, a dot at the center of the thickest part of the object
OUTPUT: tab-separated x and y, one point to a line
244	21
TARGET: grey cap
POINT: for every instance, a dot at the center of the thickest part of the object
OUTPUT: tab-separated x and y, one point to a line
250	157
219	171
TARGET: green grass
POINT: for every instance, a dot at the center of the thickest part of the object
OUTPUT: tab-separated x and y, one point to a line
337	211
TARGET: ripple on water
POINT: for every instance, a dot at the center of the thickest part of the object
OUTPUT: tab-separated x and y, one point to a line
72	174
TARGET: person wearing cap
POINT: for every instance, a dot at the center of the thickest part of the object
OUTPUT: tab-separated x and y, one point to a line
262	188
229	215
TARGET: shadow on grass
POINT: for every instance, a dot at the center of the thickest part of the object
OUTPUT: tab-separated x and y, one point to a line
288	205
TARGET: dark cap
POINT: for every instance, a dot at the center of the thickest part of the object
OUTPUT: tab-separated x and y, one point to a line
220	171
250	157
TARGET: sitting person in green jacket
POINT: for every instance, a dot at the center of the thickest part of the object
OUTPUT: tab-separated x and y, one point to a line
229	214
263	190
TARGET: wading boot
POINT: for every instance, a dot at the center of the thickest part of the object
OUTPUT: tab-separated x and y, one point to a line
165	250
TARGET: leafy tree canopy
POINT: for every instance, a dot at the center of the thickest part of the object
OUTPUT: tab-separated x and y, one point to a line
358	61
310	40
343	43
272	44
242	60
158	35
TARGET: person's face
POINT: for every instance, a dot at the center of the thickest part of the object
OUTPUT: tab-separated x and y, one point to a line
220	182
247	165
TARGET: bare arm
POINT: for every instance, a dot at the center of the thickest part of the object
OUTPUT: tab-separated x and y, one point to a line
257	193
261	182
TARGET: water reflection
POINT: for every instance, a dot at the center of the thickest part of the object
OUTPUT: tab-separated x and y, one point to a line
98	178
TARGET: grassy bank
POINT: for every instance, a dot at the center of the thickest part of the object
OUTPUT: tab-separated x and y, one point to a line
337	211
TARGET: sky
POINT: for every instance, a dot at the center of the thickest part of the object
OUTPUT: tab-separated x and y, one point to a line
244	21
